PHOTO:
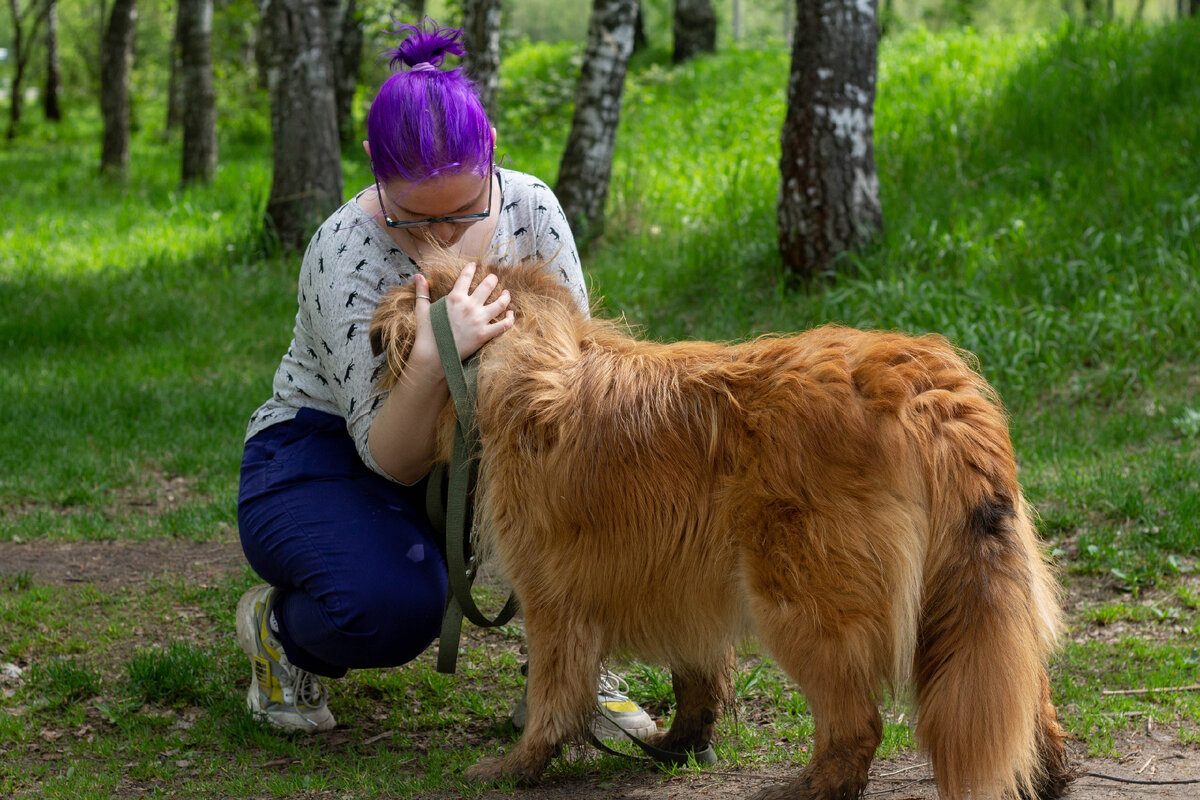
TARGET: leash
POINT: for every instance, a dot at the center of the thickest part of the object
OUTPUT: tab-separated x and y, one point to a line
670	758
451	516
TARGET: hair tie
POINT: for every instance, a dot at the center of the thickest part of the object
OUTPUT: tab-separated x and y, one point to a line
424	66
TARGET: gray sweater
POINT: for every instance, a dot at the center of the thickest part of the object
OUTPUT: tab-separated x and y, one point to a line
348	267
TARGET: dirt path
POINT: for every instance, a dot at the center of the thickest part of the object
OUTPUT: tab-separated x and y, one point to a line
1148	755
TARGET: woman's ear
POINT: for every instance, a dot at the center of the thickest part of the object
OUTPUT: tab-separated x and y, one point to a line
367	145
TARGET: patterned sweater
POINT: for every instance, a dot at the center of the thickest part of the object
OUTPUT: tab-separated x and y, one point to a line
348	267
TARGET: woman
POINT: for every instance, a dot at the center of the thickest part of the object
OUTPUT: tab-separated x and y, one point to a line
329	509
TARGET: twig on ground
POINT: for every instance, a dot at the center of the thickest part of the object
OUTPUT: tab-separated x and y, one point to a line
1195	687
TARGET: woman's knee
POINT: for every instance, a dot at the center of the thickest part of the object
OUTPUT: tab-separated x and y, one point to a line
393	623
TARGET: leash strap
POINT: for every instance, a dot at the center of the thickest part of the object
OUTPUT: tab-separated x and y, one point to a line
669	758
453	517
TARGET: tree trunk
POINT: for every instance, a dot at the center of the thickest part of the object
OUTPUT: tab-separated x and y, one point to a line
481	29
307	181
640	41
17	87
343	27
116	57
22	37
349	58
50	105
174	82
695	29
198	95
829	189
586	165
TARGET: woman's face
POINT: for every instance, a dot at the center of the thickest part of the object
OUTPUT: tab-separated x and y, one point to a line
439	209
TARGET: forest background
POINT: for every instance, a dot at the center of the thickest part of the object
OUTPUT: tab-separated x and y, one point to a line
1040	186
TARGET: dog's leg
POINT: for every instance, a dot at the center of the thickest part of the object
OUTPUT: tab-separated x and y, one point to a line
564	665
701	694
825	628
848	729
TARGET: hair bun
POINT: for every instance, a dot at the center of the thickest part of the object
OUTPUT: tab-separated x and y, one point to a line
424	44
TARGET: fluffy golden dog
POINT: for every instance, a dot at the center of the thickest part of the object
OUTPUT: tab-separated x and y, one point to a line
850	498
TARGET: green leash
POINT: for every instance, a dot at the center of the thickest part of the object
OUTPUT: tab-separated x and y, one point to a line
451	519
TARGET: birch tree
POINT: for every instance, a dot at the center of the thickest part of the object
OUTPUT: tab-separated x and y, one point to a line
586	166
481	38
199	112
829	188
307	181
116	58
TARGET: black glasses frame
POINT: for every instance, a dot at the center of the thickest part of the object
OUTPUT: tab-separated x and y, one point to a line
458	219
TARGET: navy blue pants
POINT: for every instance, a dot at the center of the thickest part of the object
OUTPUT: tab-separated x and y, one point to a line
360	581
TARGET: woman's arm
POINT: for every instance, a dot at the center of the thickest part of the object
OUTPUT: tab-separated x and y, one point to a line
403	434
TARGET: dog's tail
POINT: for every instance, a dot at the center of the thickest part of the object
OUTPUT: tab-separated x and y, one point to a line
990	617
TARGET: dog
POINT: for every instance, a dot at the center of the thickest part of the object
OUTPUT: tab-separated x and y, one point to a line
850	498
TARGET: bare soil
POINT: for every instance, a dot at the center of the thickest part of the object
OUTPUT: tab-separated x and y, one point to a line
1148	754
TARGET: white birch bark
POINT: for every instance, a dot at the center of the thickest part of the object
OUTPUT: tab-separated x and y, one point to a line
829	188
586	166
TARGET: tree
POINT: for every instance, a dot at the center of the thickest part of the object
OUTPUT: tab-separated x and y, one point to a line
50	105
307	180
199	98
829	192
586	165
116	57
174	85
25	25
344	28
348	58
695	29
481	38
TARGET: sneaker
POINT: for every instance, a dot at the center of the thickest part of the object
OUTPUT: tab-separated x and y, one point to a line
619	710
620	715
284	695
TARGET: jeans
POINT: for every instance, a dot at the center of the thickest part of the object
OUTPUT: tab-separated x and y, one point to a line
359	579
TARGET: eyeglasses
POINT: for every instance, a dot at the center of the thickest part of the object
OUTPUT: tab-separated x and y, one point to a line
458	219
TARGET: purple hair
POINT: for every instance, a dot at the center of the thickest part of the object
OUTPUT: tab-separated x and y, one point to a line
427	121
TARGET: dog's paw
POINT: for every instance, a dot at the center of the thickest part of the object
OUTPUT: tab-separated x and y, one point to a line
489	770
485	770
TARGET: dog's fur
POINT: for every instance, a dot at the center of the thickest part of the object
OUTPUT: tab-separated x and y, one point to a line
851	498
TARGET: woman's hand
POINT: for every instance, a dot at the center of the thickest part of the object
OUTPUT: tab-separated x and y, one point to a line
473	320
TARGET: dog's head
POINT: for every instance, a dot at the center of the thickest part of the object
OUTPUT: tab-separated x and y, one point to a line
534	294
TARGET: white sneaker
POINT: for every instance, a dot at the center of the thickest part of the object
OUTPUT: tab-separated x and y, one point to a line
284	695
619	712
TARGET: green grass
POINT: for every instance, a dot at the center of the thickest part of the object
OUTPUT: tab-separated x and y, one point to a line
1042	202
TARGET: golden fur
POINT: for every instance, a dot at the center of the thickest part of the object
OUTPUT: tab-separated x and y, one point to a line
848	497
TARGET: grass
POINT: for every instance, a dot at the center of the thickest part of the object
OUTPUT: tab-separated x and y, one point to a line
1042	200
